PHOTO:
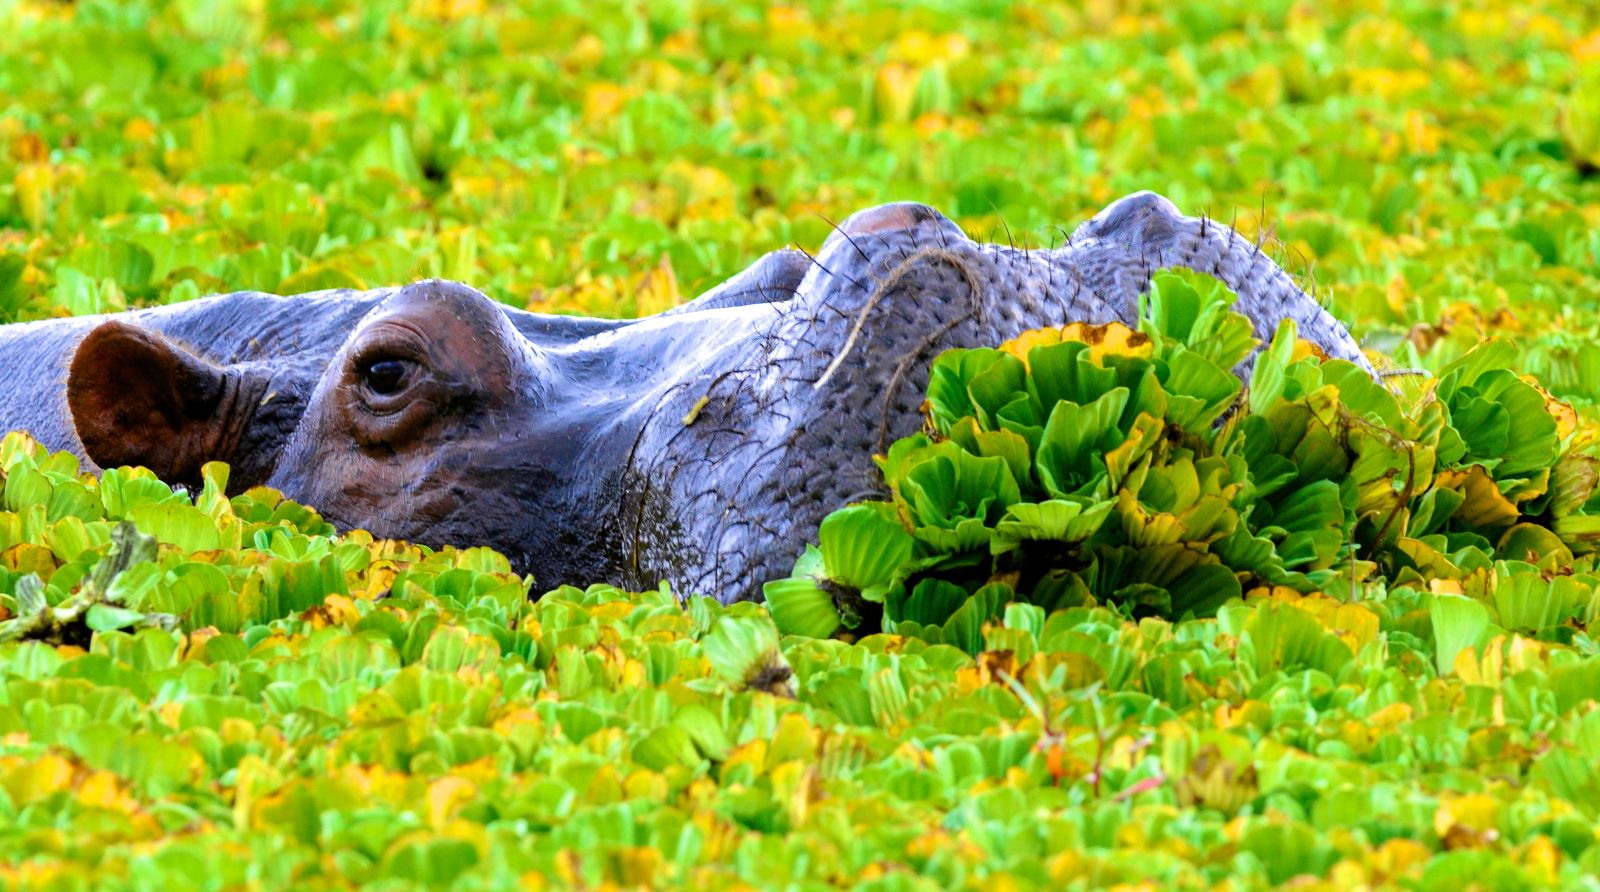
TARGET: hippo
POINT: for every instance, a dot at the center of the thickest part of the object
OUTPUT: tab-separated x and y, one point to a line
701	446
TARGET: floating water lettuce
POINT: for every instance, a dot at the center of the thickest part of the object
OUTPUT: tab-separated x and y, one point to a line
1101	464
743	649
100	602
866	548
369	711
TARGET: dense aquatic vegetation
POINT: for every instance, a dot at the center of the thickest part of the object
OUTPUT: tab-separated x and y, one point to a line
208	692
1098	464
1117	621
1430	166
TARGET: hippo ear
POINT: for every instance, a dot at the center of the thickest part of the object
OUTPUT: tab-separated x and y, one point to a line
138	399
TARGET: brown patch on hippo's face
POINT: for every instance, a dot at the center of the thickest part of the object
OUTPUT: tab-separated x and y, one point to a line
431	388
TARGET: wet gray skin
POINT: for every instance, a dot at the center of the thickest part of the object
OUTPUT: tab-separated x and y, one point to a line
701	446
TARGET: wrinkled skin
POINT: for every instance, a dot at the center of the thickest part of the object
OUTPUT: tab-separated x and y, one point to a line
701	446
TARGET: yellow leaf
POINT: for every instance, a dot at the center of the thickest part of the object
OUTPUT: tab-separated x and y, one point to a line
1466	821
1112	338
602	101
235	730
139	130
793	22
1397	294
916	755
252	779
29	148
1527	653
26	557
446	796
797	786
1422	137
1251	713
102	789
1068	866
30	780
1023	344
1543	858
168	713
795	738
587	51
1304	349
375	582
33	185
1390	717
515	719
1214	781
895	91
1354	623
447	10
1487	670
646	785
1445	586
1485	506
720	835
1567	420
342	610
657	290
753	753
706	193
635	866
1400	857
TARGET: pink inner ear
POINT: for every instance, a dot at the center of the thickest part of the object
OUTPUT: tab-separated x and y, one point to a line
137	399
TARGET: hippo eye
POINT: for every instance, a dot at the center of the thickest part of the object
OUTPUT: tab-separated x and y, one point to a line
386	376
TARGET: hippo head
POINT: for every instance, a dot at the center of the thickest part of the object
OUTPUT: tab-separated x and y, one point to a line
702	446
425	423
428	420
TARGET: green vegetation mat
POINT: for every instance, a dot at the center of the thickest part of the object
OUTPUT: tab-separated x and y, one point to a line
1145	628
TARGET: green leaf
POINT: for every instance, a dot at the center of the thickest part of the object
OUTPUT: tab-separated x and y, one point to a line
953	495
1270	375
30	595
1458	624
1199	391
1285	638
865	547
665	747
1489	355
741	648
1076	436
104	617
1064	373
930	603
801	607
1053	520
